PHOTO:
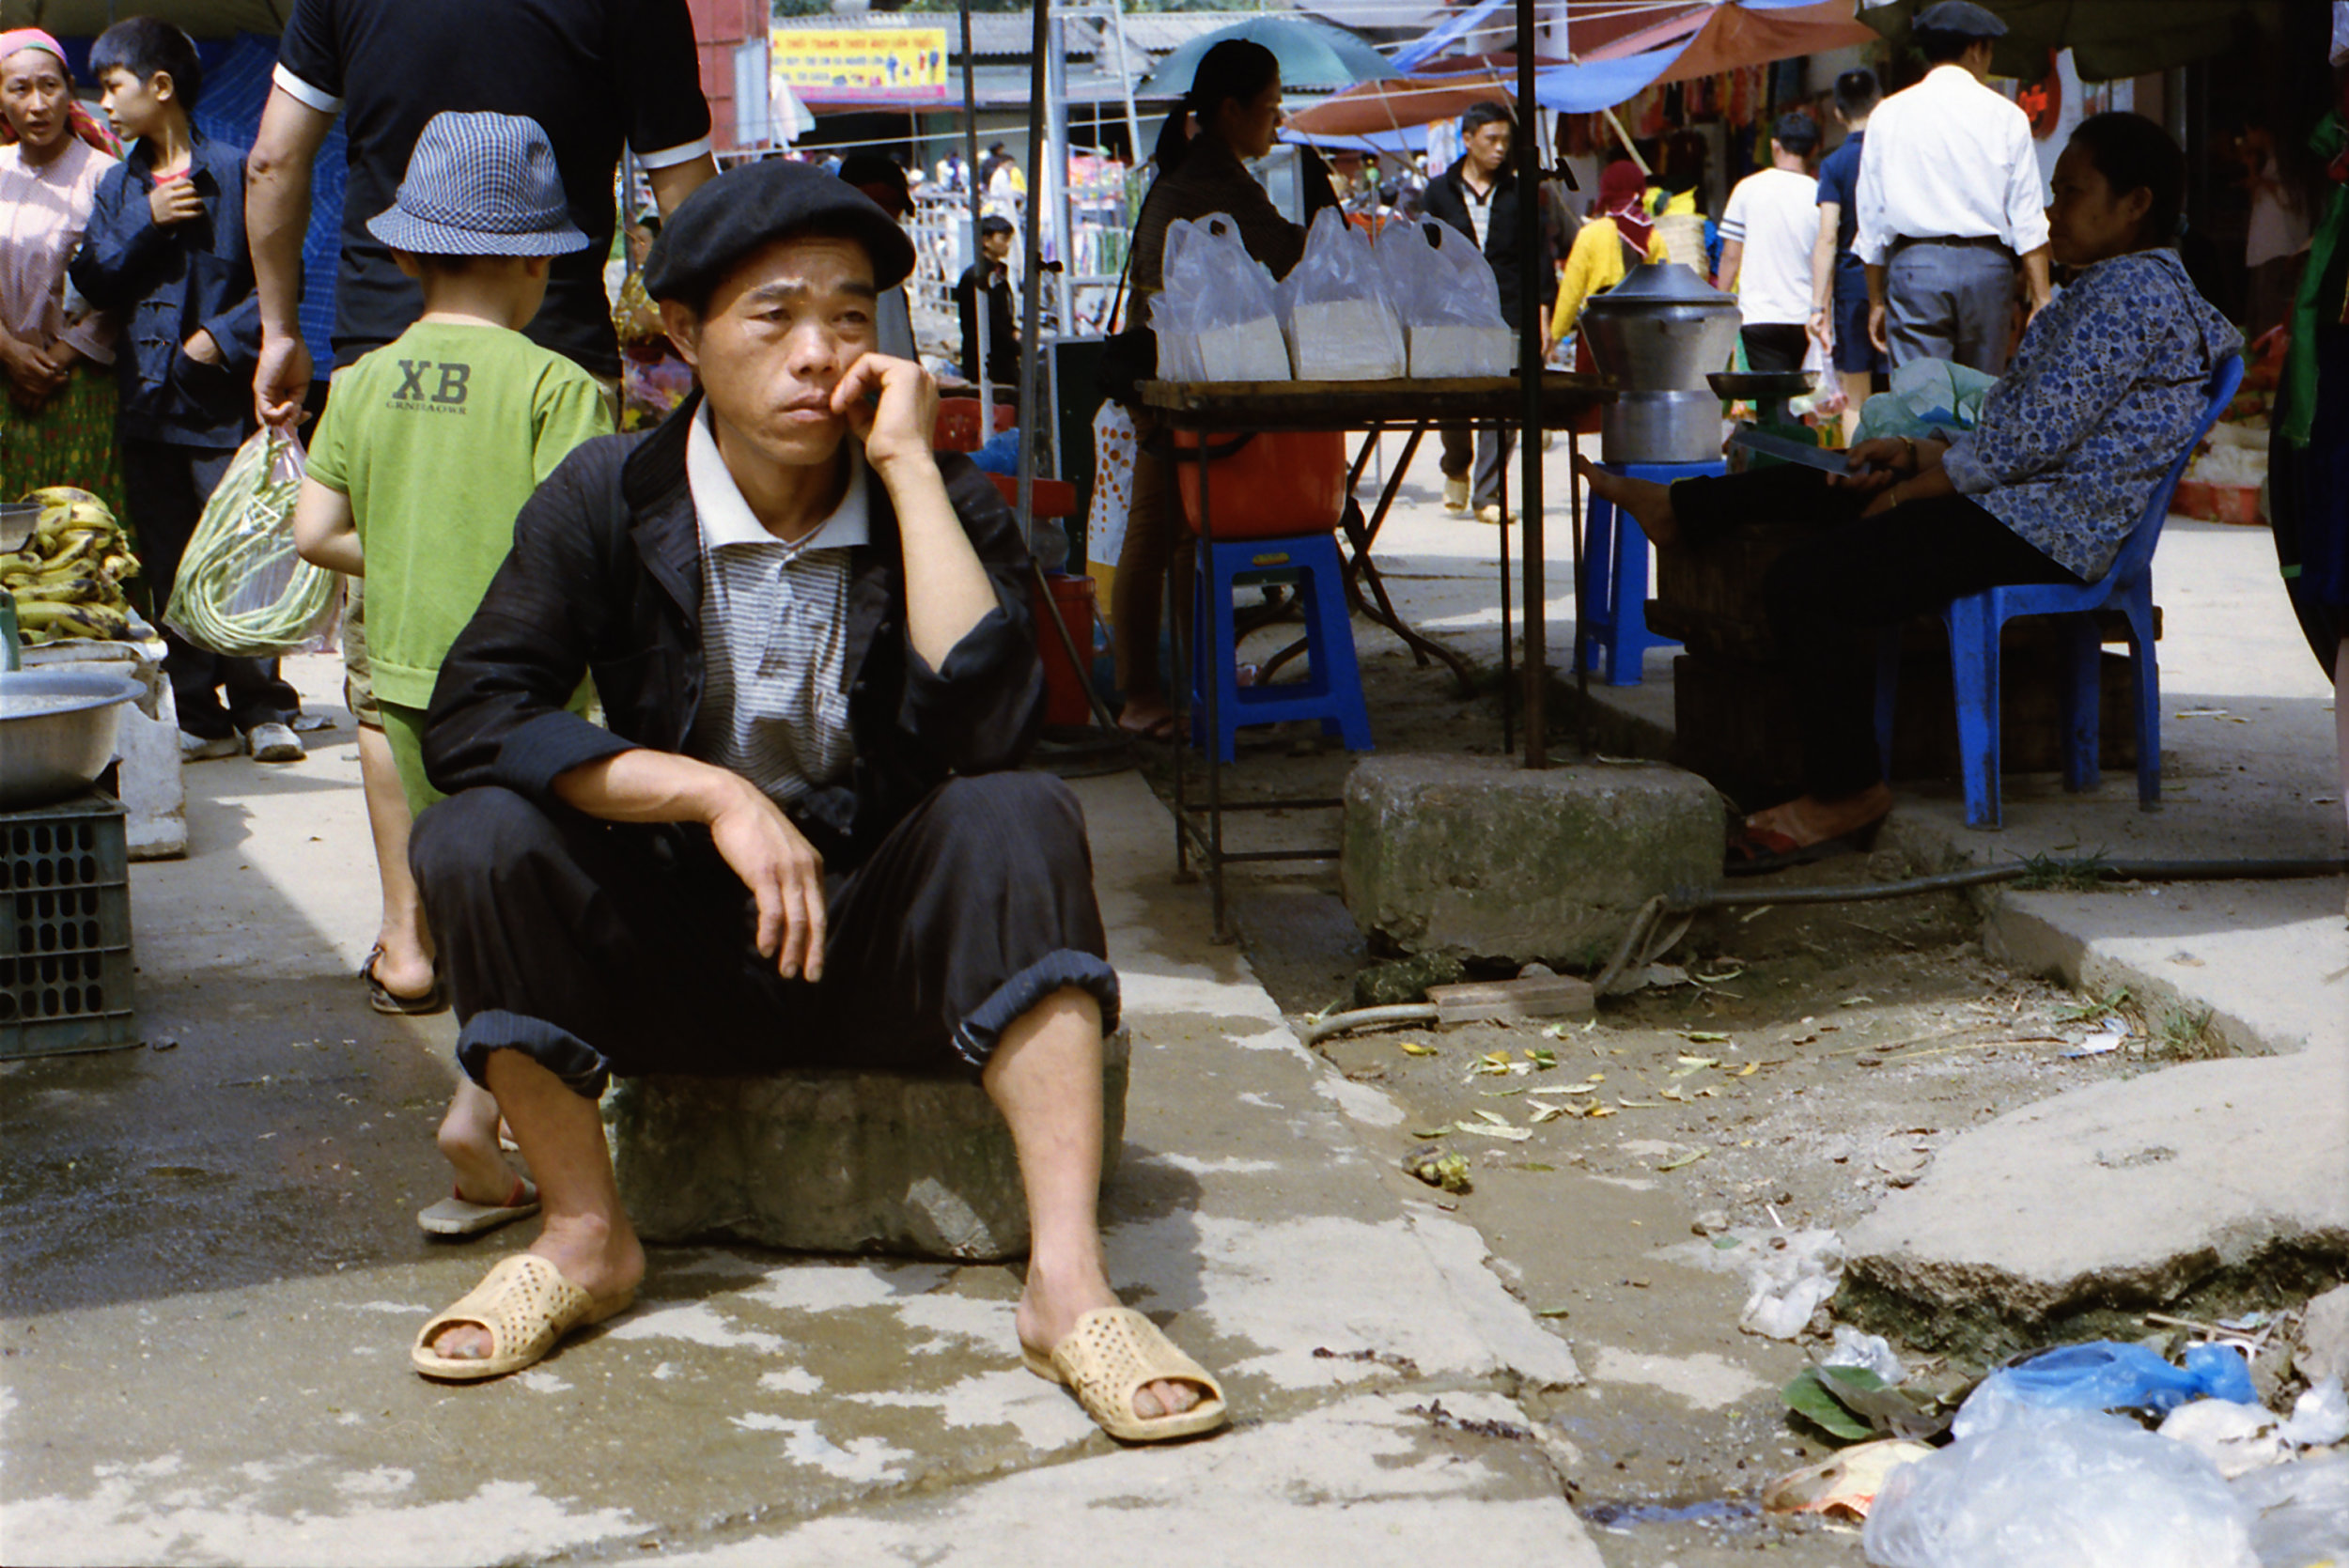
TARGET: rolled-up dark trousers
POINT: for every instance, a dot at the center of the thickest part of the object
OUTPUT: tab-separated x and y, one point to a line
1857	575
600	948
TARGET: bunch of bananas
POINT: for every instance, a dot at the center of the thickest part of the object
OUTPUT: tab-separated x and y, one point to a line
67	578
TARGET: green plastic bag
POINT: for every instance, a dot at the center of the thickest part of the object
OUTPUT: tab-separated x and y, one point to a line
242	590
1927	396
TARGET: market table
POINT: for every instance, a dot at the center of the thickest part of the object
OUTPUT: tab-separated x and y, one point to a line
1209	408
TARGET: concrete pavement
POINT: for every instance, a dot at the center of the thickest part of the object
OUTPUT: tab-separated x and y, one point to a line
2181	1186
213	1277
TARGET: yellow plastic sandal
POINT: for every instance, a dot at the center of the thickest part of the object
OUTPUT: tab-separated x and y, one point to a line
1109	1356
528	1307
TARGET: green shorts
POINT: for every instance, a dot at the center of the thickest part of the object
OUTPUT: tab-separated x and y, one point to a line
404	728
358	672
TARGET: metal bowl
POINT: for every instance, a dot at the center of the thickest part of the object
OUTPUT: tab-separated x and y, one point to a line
17	521
56	732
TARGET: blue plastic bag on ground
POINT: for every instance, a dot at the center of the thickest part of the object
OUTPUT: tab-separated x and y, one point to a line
2105	1375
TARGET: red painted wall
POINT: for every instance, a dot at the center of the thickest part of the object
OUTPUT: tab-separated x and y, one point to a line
719	26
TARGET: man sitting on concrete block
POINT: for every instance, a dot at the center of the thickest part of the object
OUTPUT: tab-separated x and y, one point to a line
800	842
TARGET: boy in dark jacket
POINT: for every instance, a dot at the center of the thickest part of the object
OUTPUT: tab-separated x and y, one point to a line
165	251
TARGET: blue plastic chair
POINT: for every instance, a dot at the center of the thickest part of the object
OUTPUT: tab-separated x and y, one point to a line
1611	601
1331	691
1975	621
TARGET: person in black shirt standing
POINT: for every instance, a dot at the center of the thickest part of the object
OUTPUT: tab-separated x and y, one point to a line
594	73
1003	331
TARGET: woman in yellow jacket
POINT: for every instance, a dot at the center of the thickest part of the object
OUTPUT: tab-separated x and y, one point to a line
1619	234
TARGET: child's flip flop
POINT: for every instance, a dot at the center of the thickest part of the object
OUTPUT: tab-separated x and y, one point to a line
459	1215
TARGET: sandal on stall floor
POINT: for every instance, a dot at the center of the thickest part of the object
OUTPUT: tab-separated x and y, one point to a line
1109	1356
1757	850
460	1217
528	1307
383	999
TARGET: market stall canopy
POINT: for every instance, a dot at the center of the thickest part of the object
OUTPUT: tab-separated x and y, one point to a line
2108	41
1704	42
1381	108
1392	143
1313	56
201	19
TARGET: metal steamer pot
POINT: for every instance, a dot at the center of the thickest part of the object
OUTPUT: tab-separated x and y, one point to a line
1656	335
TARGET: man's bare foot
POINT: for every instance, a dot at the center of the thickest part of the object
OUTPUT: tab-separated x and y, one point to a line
1048	1313
1808	820
1649	502
587	1252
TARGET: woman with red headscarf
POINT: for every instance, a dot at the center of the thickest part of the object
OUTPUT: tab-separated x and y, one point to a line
1618	237
57	423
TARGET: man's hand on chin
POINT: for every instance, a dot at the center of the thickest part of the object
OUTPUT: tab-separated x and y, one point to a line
891	407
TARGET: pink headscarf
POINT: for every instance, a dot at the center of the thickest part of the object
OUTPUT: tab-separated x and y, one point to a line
78	118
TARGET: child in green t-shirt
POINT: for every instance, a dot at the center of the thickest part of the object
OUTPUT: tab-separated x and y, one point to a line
426	450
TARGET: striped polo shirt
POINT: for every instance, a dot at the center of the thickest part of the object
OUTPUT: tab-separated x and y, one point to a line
775	632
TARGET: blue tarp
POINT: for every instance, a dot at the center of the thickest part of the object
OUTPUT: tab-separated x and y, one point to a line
1595	85
235	87
1436	39
1411	138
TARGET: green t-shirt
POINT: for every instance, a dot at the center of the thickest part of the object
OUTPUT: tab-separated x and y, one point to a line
438	439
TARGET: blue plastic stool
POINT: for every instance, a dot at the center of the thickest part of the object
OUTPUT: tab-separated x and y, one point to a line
1331	691
1975	620
1611	601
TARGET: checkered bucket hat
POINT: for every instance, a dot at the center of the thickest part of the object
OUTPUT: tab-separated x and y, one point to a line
481	184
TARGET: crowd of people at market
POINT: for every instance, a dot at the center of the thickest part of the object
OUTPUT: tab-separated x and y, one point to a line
794	832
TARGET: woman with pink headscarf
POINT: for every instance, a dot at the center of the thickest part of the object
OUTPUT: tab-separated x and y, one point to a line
1618	237
58	421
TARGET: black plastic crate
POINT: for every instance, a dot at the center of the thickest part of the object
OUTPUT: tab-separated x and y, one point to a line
66	981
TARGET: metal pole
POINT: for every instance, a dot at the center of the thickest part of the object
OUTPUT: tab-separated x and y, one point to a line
971	187
1530	336
1054	188
1032	286
1125	78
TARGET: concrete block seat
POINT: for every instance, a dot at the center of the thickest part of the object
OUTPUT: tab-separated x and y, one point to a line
832	1161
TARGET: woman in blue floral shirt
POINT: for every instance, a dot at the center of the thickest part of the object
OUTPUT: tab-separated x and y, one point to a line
2107	387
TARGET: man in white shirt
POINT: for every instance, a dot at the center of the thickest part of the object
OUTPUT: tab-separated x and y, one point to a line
1948	197
1767	235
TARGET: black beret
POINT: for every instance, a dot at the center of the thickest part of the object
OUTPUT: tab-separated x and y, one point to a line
754	205
1960	19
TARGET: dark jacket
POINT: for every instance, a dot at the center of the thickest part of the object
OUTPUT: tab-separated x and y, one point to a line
166	284
605	579
1447	199
1003	330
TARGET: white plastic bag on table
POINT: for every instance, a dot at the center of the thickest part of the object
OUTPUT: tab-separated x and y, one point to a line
1339	324
1168	316
1449	300
242	590
2060	1489
1226	296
